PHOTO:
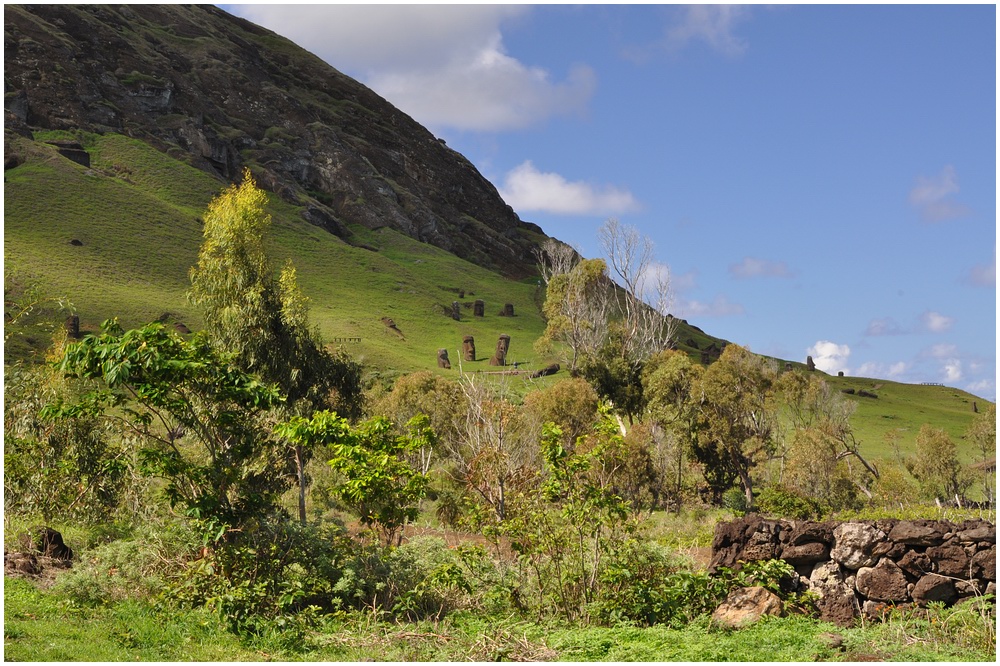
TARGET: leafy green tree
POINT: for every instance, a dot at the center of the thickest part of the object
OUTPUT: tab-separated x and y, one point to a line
936	465
571	404
61	468
378	482
821	445
983	436
424	392
668	381
262	323
200	421
736	419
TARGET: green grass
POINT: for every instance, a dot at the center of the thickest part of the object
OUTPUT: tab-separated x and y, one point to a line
41	625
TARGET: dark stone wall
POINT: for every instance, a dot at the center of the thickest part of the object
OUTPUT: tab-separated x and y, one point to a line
860	567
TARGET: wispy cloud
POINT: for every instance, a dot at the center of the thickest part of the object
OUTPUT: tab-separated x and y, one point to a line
933	196
525	189
942	350
936	322
829	356
752	267
445	65
883	326
983	275
712	24
720	306
882	370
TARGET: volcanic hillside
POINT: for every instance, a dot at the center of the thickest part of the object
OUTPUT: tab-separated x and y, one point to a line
222	94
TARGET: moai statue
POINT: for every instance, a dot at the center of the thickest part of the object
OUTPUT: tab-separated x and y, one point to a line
468	348
73	327
500	356
810	364
461	293
443	361
508	310
788	367
840	373
479	308
455	313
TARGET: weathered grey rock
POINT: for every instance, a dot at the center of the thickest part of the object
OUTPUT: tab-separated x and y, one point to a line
934	588
854	543
746	605
987	533
836	601
883	582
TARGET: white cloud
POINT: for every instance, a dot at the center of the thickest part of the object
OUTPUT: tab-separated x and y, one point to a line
525	189
445	65
829	356
952	370
712	24
936	322
884	326
752	267
931	196
720	306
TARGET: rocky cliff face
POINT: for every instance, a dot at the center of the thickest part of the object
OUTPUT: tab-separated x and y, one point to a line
225	94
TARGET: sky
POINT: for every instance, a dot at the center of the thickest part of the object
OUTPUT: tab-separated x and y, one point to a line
817	180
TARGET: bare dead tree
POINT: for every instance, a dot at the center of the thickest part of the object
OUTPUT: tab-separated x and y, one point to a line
647	327
554	257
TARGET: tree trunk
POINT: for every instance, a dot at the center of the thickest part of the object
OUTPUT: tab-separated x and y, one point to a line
301	474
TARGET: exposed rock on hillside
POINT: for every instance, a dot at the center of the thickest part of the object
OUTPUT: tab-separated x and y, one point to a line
200	83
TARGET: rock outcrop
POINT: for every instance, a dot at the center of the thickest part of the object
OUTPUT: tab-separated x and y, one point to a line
227	94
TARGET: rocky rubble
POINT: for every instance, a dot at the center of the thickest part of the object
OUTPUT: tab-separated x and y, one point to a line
860	567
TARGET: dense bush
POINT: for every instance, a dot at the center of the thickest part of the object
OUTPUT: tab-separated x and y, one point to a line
784	502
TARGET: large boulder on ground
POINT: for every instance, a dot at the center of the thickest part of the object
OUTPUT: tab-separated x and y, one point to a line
854	544
746	605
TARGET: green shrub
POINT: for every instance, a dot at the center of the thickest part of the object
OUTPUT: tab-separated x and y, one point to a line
780	501
735	500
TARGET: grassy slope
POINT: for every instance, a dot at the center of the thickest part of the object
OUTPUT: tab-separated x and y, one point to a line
137	213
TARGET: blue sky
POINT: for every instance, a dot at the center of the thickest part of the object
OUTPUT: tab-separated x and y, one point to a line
820	180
